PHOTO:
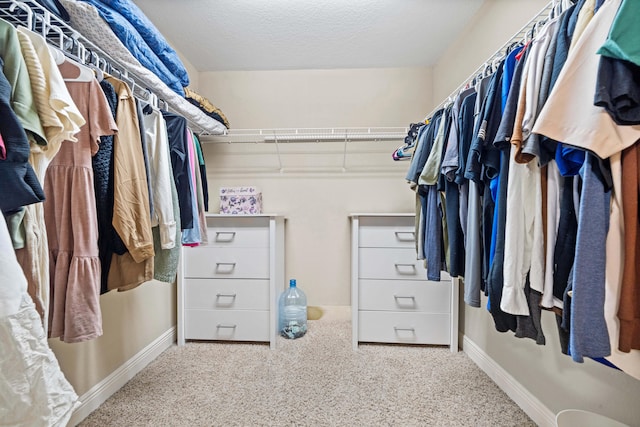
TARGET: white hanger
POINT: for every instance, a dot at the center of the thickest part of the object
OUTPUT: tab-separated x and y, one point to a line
153	100
85	74
25	8
57	54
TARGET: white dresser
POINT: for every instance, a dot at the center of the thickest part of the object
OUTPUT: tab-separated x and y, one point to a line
227	289
391	299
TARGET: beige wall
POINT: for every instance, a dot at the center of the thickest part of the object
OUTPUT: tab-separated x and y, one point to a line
131	320
312	191
557	381
492	26
320	98
316	197
194	75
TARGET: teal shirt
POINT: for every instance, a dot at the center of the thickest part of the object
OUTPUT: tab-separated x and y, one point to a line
624	36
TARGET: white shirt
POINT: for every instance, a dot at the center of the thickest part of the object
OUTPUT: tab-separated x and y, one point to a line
159	176
569	114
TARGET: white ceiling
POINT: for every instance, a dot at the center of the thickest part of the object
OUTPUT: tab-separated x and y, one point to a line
232	35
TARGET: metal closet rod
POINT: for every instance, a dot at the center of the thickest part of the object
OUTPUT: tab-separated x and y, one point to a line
520	36
310	135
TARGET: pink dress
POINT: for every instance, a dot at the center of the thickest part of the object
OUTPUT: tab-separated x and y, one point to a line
70	217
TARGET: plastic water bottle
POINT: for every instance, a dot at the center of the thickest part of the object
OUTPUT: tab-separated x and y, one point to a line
292	313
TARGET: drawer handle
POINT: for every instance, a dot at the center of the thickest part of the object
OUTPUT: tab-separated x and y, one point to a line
225	295
223	326
408	269
232	265
397	329
401	236
405	301
220	234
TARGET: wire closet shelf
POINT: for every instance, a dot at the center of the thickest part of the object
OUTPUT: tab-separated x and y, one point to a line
285	135
329	142
57	33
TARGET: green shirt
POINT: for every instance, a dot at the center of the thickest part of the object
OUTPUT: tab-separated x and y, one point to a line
15	69
624	36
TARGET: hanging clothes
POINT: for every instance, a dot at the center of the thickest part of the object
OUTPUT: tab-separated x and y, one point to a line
108	240
35	391
61	120
177	132
589	335
569	114
20	183
21	122
15	70
166	231
70	217
623	40
192	236
200	187
131	212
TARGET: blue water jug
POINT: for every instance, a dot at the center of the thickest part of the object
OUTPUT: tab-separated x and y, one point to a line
292	312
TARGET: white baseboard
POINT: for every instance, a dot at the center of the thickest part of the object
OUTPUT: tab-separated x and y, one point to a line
530	404
96	396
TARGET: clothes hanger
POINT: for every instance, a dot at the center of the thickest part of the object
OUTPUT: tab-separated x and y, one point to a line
25	8
404	152
94	66
65	60
57	54
85	74
487	70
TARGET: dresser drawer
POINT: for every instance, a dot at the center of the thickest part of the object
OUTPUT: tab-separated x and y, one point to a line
404	328
237	232
230	263
405	295
387	233
227	325
390	263
220	294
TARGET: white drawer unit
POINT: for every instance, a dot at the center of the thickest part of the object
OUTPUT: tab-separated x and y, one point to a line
391	299
227	289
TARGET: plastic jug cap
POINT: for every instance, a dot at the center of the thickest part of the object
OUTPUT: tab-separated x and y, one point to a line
292	283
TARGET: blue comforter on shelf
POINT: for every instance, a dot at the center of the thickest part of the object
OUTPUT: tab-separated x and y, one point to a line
121	15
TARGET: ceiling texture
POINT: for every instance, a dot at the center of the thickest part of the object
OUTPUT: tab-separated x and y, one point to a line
249	35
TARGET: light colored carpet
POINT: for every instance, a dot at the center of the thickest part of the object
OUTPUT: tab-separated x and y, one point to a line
317	380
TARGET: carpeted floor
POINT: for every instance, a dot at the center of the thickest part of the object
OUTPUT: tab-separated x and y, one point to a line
317	380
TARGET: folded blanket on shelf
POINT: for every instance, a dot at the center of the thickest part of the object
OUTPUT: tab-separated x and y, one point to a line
156	41
206	106
86	20
135	44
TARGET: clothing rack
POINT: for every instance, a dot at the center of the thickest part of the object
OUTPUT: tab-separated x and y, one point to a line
310	135
59	34
343	136
525	34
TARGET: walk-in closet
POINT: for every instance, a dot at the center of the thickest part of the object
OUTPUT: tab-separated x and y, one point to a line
449	188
